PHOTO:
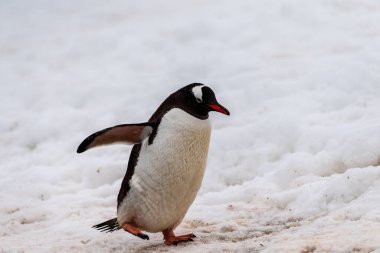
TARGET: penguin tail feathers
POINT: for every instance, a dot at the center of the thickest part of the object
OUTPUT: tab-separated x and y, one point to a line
108	226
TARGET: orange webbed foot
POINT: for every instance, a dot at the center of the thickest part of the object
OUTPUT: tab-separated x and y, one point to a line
171	239
135	231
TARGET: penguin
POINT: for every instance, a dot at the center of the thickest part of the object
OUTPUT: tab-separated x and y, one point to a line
166	164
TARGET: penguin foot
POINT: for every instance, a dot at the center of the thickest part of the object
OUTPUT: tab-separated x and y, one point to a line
134	231
171	239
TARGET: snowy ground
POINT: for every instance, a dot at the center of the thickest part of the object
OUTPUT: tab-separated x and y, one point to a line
296	168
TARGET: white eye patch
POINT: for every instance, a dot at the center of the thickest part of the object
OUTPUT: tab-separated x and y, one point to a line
197	91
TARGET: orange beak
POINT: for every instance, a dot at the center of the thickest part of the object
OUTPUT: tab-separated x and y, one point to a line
219	108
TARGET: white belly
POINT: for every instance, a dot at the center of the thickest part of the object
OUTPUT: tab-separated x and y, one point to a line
168	173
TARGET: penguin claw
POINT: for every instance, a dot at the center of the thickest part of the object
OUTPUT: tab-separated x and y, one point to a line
143	236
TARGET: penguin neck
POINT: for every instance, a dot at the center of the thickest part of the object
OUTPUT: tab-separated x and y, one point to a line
179	118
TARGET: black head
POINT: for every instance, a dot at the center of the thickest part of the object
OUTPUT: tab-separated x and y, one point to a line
195	99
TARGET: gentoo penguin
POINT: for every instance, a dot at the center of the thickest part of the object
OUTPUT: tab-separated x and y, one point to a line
166	165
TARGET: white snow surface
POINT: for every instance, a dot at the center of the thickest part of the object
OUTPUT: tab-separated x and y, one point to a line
295	168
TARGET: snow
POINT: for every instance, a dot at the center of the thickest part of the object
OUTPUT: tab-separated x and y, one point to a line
295	168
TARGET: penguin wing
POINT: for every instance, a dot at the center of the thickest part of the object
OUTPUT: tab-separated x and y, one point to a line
127	133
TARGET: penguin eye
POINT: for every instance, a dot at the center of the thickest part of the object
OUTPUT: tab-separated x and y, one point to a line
198	100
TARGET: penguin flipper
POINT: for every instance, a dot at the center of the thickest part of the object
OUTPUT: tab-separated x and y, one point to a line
127	133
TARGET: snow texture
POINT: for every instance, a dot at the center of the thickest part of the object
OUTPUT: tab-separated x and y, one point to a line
295	168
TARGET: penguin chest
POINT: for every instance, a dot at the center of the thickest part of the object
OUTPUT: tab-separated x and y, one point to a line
168	173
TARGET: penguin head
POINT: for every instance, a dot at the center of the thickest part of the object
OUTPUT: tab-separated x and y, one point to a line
198	100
